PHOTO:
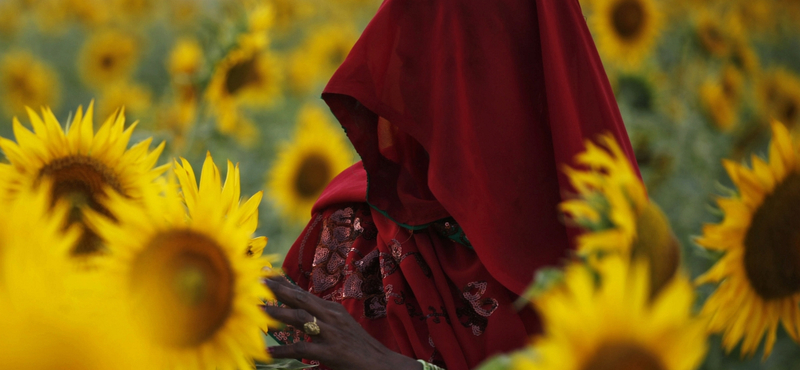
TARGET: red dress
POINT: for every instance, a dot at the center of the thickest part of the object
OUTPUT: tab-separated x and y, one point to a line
462	112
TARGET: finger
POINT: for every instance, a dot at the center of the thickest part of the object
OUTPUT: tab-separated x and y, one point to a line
284	281
299	350
290	316
298	298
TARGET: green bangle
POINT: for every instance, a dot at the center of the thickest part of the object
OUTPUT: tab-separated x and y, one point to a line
429	366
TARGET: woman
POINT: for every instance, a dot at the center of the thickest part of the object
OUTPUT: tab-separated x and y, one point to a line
462	112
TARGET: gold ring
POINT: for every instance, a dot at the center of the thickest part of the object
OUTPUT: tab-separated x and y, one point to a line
311	327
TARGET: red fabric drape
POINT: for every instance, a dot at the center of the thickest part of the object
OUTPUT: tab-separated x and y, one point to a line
461	110
483	101
420	293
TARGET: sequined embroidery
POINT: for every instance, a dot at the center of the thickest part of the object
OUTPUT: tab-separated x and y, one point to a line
476	311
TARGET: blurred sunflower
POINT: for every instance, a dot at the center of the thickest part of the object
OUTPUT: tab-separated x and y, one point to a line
185	59
305	166
47	302
82	165
759	274
320	56
27	82
711	34
246	214
719	109
188	284
616	325
613	209
779	97
289	12
133	98
244	77
329	46
627	30
108	57
10	21
743	57
178	116
134	10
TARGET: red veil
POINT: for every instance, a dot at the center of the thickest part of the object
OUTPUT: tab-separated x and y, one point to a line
461	110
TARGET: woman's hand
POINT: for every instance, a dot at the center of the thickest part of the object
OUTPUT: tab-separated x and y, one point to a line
341	342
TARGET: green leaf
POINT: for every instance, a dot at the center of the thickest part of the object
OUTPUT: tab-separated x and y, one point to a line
545	279
284	363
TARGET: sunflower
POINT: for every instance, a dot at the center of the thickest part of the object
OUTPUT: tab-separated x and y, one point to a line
190	287
82	165
245	77
185	59
615	325
711	34
27	82
720	109
10	21
305	166
47	302
246	214
779	97
108	57
321	54
626	29
289	12
613	209
134	98
759	274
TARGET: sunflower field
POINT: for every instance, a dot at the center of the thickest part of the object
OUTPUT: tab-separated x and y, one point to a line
120	227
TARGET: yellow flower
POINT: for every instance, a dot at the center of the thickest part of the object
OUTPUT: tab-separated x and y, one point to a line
289	12
27	82
779	97
245	214
10	20
759	275
320	56
711	34
185	59
179	116
244	77
82	164
187	281
743	57
305	166
718	106
626	29
618	218
108	57
47	301
133	98
616	325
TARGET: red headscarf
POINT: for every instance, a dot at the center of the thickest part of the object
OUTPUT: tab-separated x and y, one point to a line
462	112
481	102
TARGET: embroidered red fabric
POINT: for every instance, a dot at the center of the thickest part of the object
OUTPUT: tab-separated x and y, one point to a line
461	109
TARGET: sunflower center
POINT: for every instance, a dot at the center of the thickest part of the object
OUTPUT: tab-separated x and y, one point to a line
184	279
772	243
313	174
789	112
338	55
107	61
81	180
628	18
241	75
656	243
21	86
623	356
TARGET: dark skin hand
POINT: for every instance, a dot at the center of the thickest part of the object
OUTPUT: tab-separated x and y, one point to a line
341	344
